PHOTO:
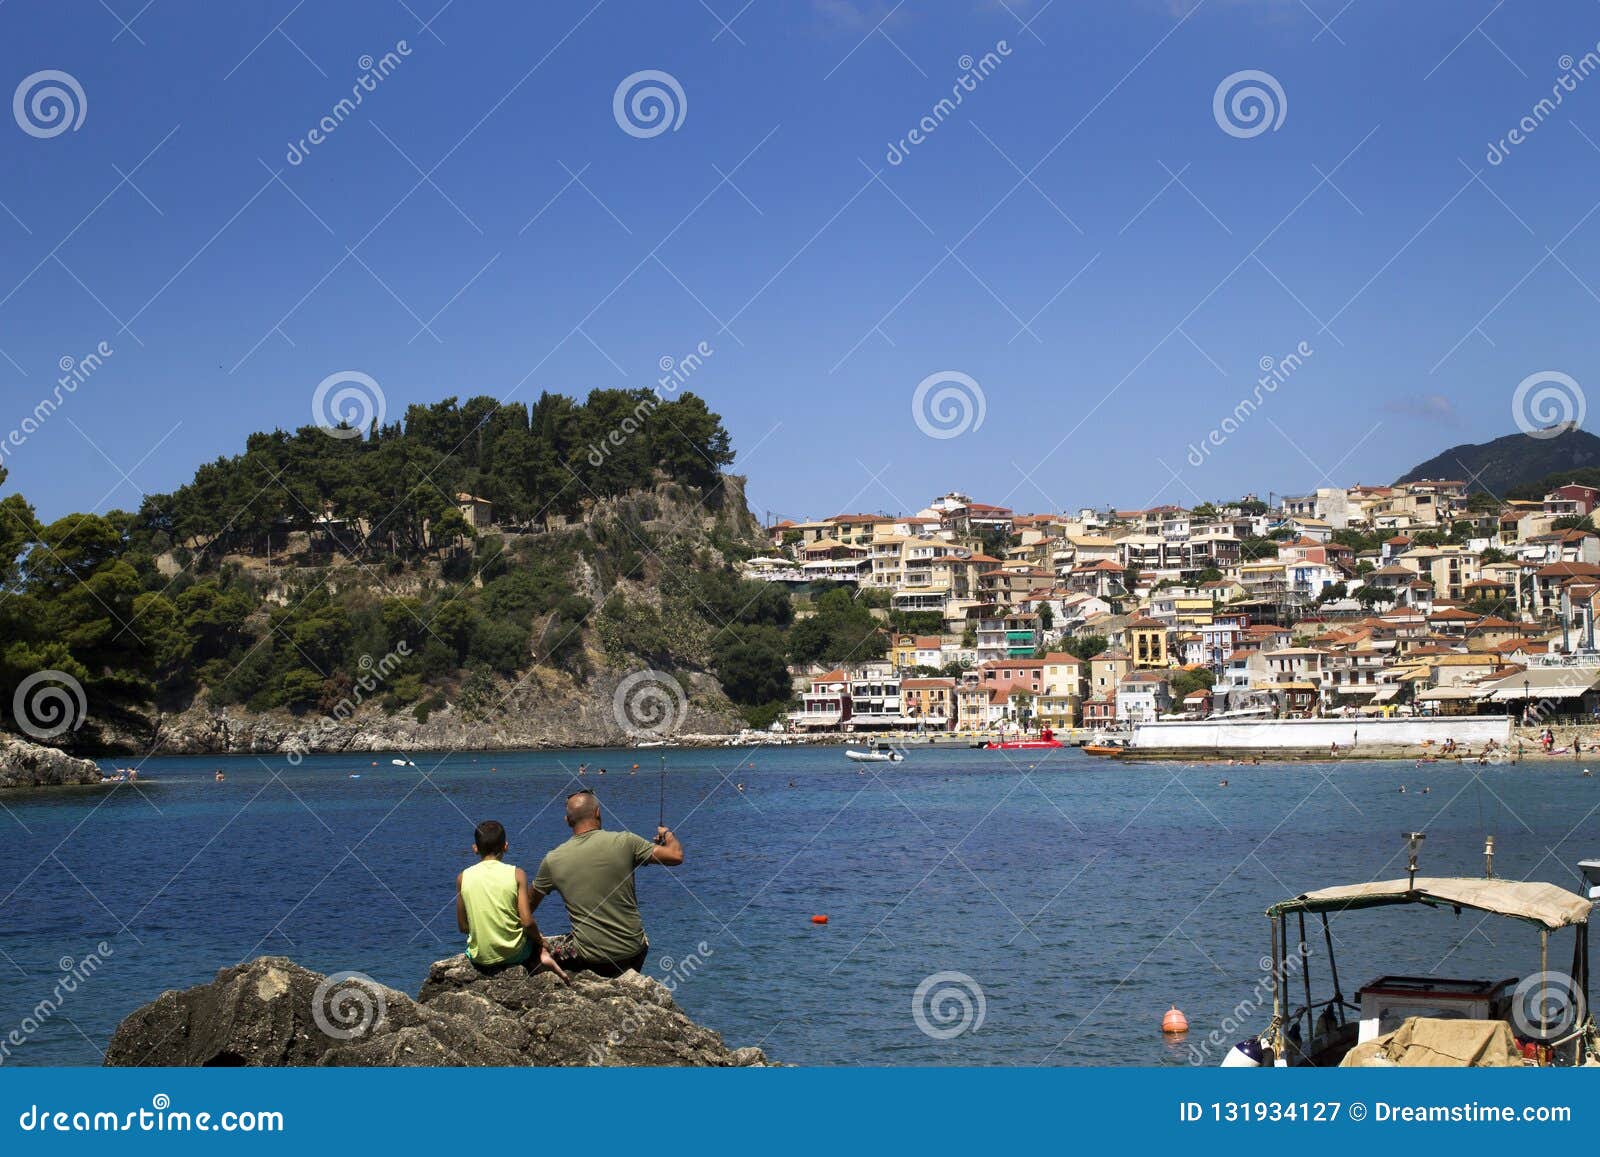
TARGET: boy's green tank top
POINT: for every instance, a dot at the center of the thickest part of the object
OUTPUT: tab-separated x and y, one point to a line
494	934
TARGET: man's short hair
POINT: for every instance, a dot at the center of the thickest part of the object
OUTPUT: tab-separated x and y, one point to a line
490	837
582	805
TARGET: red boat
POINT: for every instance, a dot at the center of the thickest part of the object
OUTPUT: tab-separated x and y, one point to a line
1047	739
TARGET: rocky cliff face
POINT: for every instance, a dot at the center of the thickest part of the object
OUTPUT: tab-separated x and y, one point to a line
546	710
272	1012
24	764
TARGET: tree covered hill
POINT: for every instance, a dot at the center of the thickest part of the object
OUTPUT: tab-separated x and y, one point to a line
1514	461
281	578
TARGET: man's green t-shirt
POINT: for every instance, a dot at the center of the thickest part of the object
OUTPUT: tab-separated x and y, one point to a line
594	874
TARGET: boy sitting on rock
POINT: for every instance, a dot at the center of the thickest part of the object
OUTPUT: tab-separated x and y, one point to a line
493	909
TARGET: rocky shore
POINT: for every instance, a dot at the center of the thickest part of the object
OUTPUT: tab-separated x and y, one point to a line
272	1012
24	764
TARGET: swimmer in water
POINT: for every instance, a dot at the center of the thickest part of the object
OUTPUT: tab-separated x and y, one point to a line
220	777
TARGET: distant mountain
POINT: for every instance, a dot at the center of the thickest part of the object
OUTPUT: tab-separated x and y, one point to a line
1513	461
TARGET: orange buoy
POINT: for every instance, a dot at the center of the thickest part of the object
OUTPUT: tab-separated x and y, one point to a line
1174	1021
819	919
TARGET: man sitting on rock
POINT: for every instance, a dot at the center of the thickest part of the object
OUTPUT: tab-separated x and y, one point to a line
493	909
593	871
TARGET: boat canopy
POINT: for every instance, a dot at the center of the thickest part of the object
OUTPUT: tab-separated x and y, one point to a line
1538	903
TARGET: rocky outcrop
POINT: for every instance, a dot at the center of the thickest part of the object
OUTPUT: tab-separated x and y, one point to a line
272	1012
24	764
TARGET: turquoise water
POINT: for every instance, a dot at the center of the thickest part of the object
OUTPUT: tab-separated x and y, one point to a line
1081	897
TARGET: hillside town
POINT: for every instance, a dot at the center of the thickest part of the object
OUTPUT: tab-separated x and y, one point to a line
1419	599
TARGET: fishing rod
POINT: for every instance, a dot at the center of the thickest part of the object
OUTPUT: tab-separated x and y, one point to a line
662	822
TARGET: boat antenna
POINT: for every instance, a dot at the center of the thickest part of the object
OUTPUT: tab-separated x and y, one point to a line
1488	857
1413	845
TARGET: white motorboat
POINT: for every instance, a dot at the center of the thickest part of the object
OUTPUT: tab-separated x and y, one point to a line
875	755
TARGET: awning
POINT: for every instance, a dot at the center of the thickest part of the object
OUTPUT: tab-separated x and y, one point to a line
1508	693
1538	903
1544	683
1385	694
1449	694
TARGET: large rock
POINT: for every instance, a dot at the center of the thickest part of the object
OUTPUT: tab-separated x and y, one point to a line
24	764
272	1012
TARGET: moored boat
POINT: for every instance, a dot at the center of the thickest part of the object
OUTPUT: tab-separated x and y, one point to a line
1047	739
1106	748
877	753
1540	1019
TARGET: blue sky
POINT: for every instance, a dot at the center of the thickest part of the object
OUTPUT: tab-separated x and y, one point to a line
1081	237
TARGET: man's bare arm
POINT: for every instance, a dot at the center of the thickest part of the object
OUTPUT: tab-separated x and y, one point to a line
668	851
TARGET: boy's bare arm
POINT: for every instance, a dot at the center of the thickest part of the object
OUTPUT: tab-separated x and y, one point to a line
525	903
461	907
525	908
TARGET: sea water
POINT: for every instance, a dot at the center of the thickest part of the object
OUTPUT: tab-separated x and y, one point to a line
983	908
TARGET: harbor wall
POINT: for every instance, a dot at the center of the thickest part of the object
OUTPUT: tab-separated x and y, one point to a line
1313	734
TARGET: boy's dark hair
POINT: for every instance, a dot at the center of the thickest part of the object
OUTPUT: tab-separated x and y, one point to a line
490	837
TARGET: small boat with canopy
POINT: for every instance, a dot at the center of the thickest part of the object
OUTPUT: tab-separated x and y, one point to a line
1541	1018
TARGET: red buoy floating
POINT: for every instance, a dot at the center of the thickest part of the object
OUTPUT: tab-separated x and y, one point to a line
1174	1022
819	919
